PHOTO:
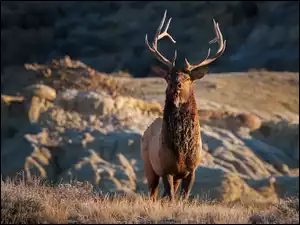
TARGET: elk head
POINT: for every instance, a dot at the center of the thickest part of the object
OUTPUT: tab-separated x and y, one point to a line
180	80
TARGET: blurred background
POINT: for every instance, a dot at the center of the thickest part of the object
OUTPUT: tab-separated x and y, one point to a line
109	35
76	97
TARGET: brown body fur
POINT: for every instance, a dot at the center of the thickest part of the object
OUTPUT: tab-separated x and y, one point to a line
181	133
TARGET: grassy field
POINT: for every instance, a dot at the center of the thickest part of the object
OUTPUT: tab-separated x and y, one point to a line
34	202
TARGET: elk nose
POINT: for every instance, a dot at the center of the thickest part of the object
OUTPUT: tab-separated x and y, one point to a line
179	85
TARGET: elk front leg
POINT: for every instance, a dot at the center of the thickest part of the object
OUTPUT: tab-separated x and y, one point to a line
152	179
153	183
168	186
176	182
187	184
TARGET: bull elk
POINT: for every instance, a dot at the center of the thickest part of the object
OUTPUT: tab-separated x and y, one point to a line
171	146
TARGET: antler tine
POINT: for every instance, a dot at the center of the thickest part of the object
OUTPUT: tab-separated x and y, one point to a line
159	36
159	30
222	46
190	67
165	33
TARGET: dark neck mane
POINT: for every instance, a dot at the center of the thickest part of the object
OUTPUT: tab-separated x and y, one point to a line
181	130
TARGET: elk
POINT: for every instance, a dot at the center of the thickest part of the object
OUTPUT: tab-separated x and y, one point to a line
171	146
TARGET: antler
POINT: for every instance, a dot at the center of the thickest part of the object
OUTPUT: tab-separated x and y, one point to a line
159	36
206	61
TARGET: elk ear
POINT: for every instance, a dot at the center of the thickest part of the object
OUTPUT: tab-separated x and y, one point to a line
199	73
159	72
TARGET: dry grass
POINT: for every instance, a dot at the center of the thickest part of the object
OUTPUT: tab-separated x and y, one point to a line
34	202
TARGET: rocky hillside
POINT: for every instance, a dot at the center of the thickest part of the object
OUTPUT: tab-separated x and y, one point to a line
109	35
64	121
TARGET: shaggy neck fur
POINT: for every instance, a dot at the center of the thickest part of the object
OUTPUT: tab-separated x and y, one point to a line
182	128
